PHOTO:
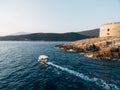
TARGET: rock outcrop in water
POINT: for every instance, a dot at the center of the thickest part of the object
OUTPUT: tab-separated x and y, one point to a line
103	48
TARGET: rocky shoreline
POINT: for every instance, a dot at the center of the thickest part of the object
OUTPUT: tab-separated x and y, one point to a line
102	48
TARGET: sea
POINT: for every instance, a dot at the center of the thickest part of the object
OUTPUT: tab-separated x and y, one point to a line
65	70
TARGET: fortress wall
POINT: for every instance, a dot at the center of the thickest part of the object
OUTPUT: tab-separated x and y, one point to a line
110	29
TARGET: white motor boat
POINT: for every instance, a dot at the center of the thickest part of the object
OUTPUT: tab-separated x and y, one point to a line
43	58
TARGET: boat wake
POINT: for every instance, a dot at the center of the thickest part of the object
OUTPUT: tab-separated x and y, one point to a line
97	81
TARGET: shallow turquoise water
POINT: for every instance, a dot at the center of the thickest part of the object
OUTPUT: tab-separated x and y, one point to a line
20	70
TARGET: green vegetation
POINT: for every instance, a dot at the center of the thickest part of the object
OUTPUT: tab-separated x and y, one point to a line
45	37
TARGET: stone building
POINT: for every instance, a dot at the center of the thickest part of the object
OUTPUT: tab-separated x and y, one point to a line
110	29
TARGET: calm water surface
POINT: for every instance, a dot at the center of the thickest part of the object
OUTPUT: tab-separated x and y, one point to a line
20	70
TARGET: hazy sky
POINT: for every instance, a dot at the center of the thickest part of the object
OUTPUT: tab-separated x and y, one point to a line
56	15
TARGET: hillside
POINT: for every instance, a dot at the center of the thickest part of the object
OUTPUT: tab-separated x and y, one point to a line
45	37
94	32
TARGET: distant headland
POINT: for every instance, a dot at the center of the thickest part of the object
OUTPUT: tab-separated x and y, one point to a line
106	46
71	36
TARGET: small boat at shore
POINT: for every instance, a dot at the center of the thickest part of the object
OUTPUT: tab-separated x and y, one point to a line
43	58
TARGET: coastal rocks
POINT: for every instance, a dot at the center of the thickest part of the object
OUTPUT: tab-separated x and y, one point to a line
92	48
115	49
102	48
69	47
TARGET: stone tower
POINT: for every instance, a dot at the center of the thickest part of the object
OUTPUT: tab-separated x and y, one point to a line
110	29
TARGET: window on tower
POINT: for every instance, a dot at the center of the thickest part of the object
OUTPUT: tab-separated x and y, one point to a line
108	29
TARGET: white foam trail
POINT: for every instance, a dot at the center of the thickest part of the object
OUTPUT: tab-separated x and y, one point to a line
97	81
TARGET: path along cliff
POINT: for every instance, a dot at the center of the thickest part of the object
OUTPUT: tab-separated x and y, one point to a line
102	48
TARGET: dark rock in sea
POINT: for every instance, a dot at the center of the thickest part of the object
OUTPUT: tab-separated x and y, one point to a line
92	48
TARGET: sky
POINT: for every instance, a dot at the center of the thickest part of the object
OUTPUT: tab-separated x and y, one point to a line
56	16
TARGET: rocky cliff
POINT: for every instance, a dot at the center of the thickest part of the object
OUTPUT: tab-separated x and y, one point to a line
103	48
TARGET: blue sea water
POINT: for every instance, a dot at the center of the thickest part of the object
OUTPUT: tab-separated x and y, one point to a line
20	69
